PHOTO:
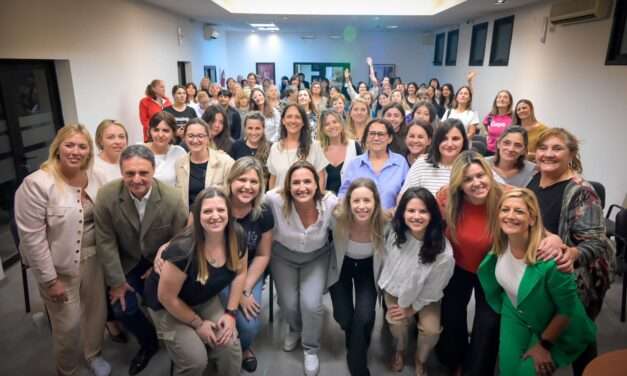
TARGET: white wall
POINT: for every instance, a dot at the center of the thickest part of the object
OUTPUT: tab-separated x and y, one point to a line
401	48
114	49
568	82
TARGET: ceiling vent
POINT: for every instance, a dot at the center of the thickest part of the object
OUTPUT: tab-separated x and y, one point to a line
565	12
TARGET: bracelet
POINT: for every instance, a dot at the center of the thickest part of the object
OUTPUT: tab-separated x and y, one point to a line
546	344
247	293
196	322
51	283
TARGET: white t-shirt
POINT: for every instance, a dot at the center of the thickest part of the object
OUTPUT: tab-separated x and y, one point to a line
165	170
467	117
111	171
280	160
509	272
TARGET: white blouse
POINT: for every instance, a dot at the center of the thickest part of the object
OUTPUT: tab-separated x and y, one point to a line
165	170
290	232
280	160
359	251
110	171
405	277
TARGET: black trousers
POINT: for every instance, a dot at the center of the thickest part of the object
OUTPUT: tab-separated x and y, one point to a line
357	320
477	357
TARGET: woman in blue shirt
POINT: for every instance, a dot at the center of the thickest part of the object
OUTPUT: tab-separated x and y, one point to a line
387	169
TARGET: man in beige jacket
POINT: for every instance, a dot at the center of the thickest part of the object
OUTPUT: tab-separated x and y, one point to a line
134	217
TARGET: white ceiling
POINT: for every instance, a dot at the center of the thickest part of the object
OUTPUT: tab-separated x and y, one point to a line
208	12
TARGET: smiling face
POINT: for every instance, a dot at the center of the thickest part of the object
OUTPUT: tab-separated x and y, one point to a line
362	88
293	122
303	98
362	204
113	141
316	89
451	145
302	186
254	131
378	138
246	187
73	152
463	96
503	101
396	97
395	117
359	112
553	156
475	184
423	114
251	80
190	91
332	127
137	175
411	89
338	106
514	217
417	217
446	92
511	147
417	140
523	111
384	100
258	98
196	138
162	134
180	96
214	215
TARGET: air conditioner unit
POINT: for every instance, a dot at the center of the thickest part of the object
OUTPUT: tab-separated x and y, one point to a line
574	11
209	32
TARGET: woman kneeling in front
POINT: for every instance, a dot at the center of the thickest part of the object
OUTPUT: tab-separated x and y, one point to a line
543	323
183	298
417	266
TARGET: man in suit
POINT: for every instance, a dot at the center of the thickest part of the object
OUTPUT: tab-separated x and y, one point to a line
134	216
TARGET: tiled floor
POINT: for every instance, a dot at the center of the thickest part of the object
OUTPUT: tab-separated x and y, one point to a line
27	349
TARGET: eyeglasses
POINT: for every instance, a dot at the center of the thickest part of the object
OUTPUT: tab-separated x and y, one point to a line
199	137
373	134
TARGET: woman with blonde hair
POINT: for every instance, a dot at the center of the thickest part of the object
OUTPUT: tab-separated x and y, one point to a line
317	97
469	204
111	139
356	265
182	297
524	115
245	187
544	325
357	118
338	149
55	222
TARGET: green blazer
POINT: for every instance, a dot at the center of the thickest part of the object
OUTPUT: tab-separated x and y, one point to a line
121	240
544	292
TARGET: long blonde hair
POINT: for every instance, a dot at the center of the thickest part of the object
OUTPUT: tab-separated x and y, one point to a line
322	136
350	126
239	168
345	217
102	127
456	194
51	165
536	230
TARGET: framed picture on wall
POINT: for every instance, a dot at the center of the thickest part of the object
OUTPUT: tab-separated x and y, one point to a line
211	72
384	70
265	71
617	49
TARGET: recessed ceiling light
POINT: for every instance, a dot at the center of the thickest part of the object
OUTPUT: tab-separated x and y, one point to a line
391	27
500	2
285	18
262	25
335	36
377	18
268	28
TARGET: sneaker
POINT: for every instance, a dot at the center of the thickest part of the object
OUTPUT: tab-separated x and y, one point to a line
99	366
291	341
312	364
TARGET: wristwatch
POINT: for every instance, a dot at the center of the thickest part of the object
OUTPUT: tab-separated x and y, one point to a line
247	293
546	344
231	312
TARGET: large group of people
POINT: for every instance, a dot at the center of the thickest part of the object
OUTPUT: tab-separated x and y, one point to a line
389	192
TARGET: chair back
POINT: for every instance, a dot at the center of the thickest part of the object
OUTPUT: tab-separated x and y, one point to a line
600	190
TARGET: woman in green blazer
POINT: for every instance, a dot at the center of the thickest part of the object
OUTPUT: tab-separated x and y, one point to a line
543	323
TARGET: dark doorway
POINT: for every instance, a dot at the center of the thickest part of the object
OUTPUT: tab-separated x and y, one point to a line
30	114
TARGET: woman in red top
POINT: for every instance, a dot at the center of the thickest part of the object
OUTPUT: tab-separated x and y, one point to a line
154	101
469	204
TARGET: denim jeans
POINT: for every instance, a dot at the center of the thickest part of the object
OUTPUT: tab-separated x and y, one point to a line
248	329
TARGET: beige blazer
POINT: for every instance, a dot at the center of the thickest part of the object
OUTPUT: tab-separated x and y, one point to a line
122	241
218	168
49	217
